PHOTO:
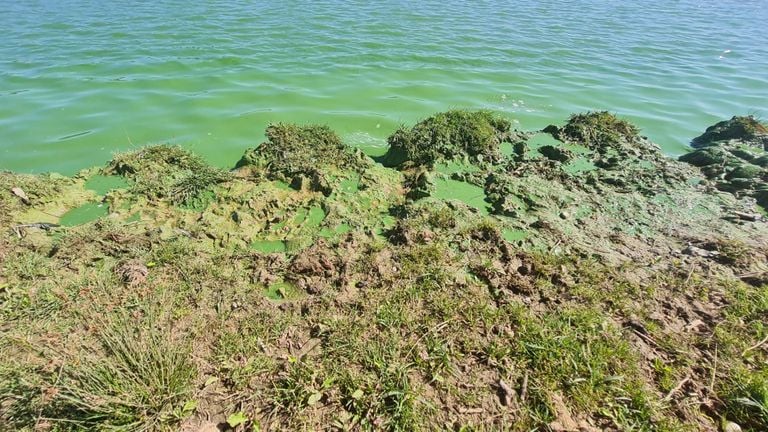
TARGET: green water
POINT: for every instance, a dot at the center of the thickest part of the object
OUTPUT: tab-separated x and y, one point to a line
514	235
281	291
102	184
269	246
80	80
579	165
86	213
449	189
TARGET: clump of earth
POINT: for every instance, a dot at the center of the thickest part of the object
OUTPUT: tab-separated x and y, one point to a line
467	135
302	156
733	155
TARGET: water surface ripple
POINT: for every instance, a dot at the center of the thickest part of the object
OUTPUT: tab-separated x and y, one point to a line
82	79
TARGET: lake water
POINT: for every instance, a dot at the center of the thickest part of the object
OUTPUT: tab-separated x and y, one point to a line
81	79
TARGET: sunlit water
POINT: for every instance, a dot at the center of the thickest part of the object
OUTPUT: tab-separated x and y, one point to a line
81	79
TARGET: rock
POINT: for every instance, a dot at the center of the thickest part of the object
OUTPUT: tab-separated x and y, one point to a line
743	128
564	421
558	154
19	192
751	217
733	153
706	156
731	427
519	149
762	198
699	252
746	171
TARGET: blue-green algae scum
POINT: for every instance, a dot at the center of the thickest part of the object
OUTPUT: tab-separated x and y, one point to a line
80	80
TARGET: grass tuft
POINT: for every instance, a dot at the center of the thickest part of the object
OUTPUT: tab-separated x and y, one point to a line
598	129
166	171
136	385
293	150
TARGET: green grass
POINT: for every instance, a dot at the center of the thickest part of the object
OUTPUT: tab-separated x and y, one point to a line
168	172
393	357
138	383
746	398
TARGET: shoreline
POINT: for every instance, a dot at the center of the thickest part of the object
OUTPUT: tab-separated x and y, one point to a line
474	276
677	149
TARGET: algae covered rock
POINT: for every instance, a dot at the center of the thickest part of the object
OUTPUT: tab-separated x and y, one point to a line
743	128
558	154
733	154
456	134
707	156
302	155
606	151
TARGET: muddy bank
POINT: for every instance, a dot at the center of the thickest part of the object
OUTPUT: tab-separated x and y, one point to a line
476	277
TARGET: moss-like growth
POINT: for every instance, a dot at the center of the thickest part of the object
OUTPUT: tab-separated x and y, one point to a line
597	130
707	156
761	161
733	154
746	171
293	151
738	128
154	161
449	135
165	171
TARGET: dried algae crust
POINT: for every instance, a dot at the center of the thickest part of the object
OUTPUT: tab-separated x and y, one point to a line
479	279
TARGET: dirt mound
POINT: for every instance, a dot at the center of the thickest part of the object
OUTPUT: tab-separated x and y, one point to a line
472	135
315	269
165	171
302	155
